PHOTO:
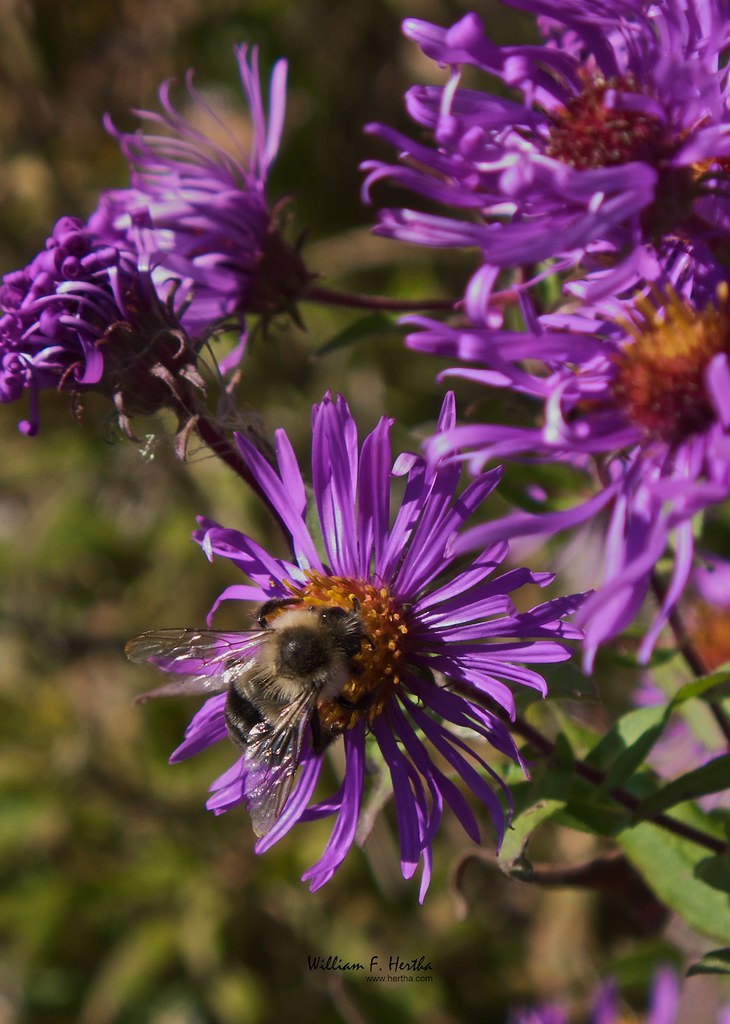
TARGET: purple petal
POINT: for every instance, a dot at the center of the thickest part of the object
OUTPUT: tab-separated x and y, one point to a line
343	833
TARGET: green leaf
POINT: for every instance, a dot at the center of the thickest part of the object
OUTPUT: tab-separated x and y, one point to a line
717	961
367	326
712	777
627	744
715	871
663	656
566	682
668	864
517	836
590	811
714	686
563	754
580	736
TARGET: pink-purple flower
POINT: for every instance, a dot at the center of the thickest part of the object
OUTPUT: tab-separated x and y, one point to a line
197	202
605	1009
84	315
639	402
444	647
608	155
663	1006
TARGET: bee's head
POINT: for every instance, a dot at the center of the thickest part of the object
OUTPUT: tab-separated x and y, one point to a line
345	628
311	640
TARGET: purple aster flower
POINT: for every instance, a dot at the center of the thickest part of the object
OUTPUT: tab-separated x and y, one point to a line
605	1009
84	315
639	401
545	1014
712	580
200	206
612	153
419	647
662	1009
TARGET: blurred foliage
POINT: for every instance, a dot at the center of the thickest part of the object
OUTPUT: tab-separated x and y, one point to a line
123	900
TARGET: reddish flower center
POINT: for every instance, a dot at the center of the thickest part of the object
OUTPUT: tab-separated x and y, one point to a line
660	375
711	634
381	654
592	131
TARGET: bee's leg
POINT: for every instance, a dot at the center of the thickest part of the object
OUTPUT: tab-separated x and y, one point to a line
366	638
320	739
355	667
358	705
271	606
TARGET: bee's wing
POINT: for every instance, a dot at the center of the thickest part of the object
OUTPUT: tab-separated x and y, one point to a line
272	757
205	661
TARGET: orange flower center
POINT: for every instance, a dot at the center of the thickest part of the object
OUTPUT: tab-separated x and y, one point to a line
660	378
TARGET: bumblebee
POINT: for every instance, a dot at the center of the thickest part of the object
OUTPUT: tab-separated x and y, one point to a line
275	679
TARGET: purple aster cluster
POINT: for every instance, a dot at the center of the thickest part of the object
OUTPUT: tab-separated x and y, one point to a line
391	626
640	405
442	650
192	245
84	315
613	150
40	348
608	171
380	659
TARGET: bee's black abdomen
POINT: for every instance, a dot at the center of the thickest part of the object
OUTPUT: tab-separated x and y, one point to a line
241	716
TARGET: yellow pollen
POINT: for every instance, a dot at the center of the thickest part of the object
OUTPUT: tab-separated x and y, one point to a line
369	688
660	374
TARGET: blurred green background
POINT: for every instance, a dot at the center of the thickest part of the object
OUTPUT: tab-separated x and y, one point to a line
124	900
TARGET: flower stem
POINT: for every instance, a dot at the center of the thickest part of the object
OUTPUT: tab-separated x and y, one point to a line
611	873
216	440
622	796
690	653
329	297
